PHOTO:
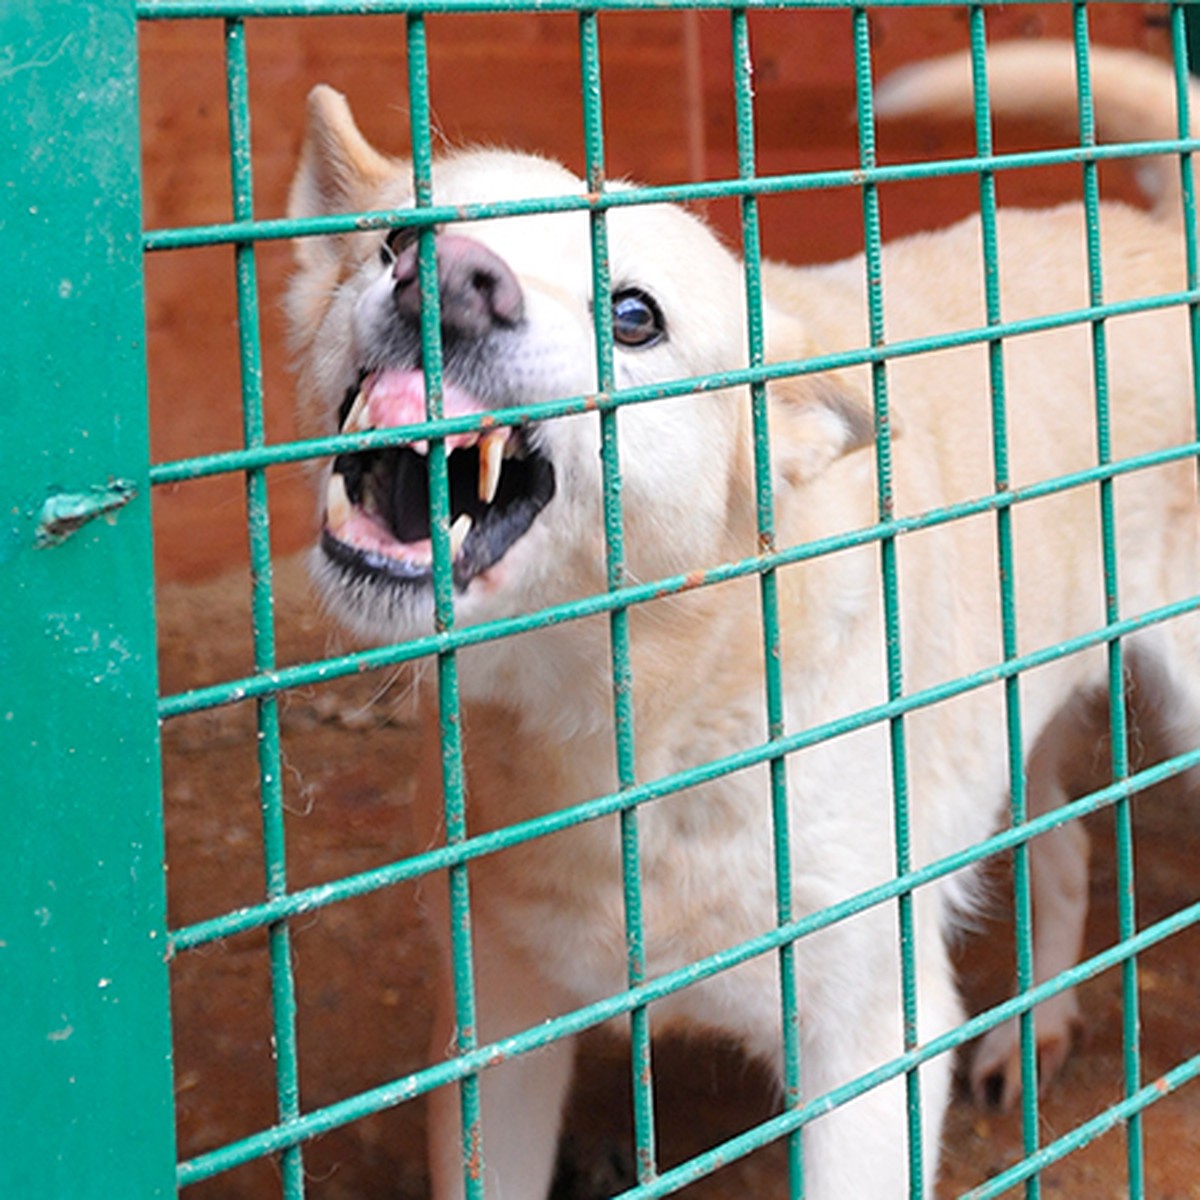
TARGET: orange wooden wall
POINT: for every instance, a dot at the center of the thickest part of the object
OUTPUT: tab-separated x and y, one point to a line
509	80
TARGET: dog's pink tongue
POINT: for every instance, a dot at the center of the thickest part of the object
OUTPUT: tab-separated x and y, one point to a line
398	398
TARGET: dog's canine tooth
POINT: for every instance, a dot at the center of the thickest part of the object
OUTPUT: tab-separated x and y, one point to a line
458	533
337	503
356	418
491	459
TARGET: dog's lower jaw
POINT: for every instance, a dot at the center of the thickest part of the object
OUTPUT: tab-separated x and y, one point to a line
395	610
373	615
557	678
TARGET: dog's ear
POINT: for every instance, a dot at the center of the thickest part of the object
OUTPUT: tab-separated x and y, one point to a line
339	171
815	420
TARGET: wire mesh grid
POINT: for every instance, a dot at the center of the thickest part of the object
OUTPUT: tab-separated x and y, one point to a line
294	1126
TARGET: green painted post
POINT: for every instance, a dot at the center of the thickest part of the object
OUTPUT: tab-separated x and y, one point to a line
85	1083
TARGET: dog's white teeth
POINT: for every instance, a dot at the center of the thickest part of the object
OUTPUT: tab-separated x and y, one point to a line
337	503
458	533
491	459
356	419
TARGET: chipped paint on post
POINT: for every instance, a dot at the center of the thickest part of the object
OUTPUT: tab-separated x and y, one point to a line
65	512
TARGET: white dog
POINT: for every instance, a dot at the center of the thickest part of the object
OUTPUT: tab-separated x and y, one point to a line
537	721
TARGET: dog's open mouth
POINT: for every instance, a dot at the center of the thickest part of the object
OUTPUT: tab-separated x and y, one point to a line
377	519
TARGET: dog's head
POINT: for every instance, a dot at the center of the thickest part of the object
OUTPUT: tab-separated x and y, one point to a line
516	328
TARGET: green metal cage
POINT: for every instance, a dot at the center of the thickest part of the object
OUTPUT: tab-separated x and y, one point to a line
86	1089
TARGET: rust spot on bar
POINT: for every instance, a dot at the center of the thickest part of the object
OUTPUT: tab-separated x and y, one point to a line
474	1163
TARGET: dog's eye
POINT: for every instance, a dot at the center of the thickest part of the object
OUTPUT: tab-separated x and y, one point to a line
637	319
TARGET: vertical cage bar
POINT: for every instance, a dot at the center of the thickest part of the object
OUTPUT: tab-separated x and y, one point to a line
743	66
1189	21
641	1065
1185	25
1006	568
891	582
283	990
85	1085
449	725
1122	810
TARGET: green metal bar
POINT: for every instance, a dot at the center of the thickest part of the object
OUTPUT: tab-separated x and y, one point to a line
1185	32
409	1087
349	887
641	1066
86	1094
739	1147
620	595
1006	574
1121	1113
328	669
270	769
66	531
889	569
240	460
791	1073
166	9
449	724
1126	915
280	228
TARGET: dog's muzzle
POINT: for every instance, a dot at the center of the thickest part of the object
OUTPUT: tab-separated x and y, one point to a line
476	290
377	518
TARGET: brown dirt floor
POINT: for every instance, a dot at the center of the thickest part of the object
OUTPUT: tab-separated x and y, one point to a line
361	965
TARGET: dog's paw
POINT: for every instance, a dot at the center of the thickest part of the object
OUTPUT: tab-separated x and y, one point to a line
996	1066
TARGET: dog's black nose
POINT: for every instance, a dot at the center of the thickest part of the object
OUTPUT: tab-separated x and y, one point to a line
478	292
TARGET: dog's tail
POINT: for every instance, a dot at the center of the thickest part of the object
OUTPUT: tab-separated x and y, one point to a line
1133	98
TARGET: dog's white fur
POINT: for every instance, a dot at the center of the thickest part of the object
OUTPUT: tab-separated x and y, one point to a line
548	917
1134	102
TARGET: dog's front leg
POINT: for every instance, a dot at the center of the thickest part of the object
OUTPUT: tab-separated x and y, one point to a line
522	1099
1058	862
861	1149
